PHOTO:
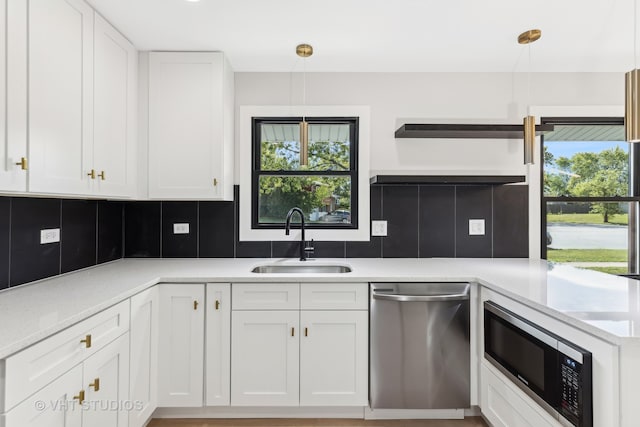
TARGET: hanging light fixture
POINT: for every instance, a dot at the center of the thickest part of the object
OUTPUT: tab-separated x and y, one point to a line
529	122
632	91
304	51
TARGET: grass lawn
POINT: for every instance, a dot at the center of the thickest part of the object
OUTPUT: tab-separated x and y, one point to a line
588	218
587	255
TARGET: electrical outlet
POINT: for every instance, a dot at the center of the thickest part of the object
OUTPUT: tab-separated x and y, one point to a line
50	235
378	228
476	227
181	228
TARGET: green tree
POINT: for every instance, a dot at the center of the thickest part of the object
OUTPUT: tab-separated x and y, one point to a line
278	194
557	173
602	174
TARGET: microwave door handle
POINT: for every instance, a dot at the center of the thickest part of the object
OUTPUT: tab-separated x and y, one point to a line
421	298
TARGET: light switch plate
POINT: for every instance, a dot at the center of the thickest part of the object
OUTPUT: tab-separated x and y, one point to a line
49	235
181	228
378	228
476	227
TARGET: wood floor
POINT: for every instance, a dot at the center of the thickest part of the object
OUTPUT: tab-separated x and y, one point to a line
467	422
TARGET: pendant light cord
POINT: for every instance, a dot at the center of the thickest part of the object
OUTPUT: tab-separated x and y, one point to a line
529	83
635	34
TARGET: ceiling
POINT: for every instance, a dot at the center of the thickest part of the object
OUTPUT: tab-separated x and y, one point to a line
387	35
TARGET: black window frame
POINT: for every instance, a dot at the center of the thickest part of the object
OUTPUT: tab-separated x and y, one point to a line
256	173
634	188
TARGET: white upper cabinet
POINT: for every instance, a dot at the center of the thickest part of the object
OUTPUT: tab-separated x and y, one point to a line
115	106
13	89
60	96
190	126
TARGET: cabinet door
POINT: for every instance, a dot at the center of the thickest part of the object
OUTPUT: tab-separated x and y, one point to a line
218	344
106	381
334	358
143	383
504	406
13	88
60	96
53	406
181	346
185	125
264	351
114	127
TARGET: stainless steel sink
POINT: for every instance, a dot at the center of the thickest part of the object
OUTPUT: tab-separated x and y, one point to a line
317	269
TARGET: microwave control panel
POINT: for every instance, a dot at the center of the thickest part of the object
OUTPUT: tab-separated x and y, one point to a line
571	387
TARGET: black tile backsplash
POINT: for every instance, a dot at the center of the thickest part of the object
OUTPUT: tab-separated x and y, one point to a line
437	221
5	248
179	245
474	202
90	232
400	208
217	227
110	230
423	221
142	231
29	259
78	234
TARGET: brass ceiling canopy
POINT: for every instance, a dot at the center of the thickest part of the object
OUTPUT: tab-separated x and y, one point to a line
529	36
304	50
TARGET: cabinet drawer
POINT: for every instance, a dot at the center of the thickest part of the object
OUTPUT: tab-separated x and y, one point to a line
334	296
33	368
271	296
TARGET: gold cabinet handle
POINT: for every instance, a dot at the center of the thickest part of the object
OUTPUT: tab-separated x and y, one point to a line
95	384
215	182
92	174
101	175
306	332
217	305
293	332
195	305
23	163
87	341
80	396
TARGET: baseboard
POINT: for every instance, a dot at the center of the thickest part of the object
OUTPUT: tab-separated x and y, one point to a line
413	414
260	412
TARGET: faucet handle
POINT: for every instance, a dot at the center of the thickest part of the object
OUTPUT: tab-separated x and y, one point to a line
308	247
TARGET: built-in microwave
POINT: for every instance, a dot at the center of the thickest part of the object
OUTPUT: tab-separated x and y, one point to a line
552	371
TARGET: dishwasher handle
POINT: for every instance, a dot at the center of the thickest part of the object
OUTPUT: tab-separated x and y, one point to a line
421	298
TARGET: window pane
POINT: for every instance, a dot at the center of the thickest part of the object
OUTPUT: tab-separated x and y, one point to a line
586	161
589	235
329	147
325	200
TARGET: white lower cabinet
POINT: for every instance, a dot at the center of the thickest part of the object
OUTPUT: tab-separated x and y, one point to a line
264	354
281	356
143	376
334	358
505	406
181	345
218	345
91	394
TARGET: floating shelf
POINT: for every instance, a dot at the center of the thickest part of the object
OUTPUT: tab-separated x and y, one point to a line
451	179
466	131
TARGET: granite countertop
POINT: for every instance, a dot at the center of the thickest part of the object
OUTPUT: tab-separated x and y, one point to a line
602	305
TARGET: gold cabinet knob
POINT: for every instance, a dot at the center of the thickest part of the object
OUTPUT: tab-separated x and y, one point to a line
215	182
80	396
92	174
23	163
217	305
101	175
87	341
195	305
293	332
306	332
95	384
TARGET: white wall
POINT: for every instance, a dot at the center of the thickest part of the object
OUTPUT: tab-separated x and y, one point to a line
397	98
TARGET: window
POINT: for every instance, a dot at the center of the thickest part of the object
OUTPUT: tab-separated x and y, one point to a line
319	176
590	197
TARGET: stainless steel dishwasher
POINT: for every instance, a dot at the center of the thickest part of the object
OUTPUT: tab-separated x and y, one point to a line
419	346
